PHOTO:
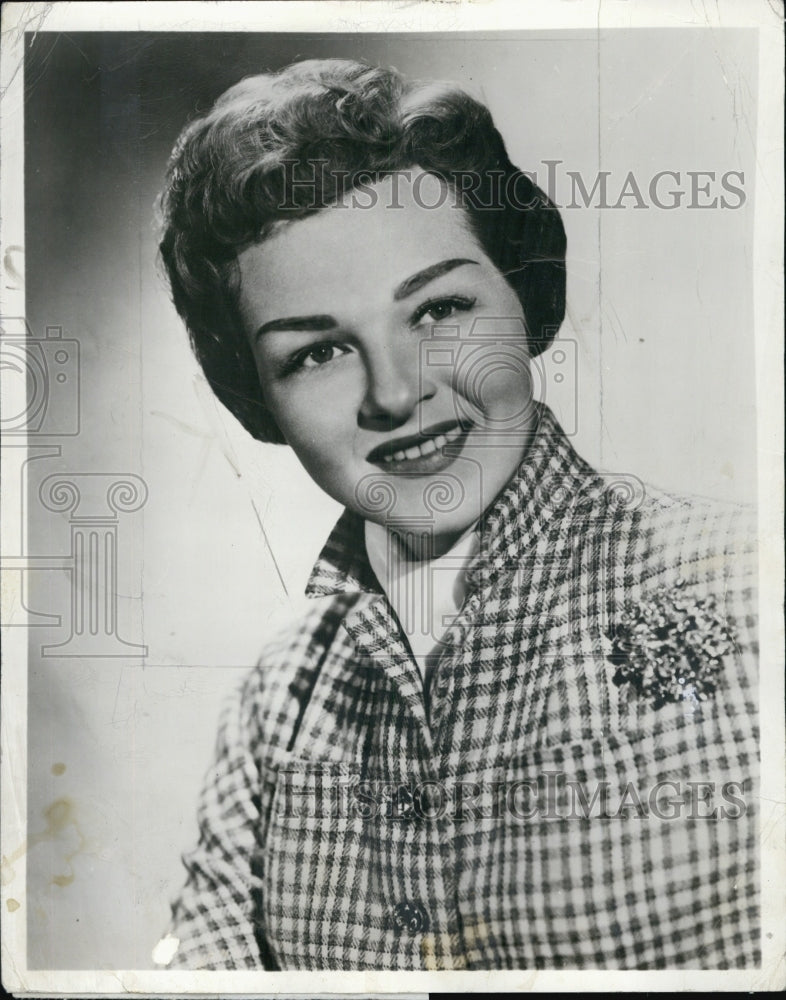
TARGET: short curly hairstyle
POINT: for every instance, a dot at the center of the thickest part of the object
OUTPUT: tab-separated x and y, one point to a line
248	164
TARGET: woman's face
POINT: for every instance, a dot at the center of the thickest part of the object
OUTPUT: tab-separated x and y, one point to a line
392	354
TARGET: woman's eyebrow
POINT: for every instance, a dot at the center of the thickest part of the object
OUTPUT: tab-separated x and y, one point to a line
416	281
319	322
409	286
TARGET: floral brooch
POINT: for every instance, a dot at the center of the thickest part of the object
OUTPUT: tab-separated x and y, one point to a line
669	646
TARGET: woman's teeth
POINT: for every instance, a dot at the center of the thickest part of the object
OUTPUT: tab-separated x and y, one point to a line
428	447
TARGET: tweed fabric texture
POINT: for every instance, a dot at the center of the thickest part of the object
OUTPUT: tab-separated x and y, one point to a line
525	812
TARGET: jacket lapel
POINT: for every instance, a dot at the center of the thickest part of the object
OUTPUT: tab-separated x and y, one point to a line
523	559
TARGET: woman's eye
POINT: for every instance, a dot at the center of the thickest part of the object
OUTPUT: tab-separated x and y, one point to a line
311	357
438	310
319	355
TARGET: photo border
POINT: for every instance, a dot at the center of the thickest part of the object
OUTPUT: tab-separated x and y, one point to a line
767	269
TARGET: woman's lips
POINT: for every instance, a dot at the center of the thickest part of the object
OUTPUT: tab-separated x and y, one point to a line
432	452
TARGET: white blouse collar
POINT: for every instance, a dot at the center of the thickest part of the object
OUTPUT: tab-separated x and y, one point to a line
426	595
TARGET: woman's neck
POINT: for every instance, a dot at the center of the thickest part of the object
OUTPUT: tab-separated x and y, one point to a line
421	546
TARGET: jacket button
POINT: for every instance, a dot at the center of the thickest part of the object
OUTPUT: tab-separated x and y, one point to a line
411	917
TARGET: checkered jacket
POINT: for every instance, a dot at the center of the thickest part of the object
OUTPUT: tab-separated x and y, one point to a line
350	823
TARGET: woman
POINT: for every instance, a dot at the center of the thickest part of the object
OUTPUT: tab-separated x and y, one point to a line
518	728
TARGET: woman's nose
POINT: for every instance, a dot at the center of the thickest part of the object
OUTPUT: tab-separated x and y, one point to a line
395	386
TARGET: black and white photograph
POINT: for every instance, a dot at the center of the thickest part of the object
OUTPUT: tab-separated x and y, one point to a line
392	497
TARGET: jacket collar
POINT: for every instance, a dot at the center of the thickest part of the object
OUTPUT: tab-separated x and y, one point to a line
548	482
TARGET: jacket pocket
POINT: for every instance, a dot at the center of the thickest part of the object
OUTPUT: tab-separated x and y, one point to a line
616	853
323	872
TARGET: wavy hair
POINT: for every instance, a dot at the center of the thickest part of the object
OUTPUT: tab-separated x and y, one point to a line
281	146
